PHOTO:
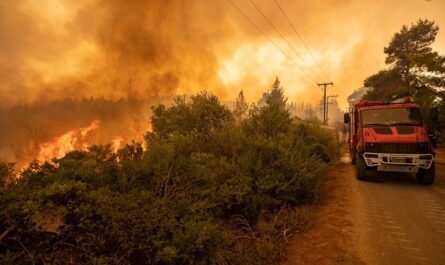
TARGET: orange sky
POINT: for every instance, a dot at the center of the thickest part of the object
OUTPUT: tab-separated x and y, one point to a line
52	49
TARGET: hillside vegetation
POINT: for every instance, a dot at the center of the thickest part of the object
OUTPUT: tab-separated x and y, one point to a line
211	187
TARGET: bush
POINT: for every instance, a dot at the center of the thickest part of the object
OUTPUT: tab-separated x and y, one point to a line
208	190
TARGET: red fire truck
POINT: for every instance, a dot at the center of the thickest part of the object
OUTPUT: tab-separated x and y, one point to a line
390	137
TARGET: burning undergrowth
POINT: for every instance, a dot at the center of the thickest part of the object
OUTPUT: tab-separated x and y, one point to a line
76	139
67	142
46	130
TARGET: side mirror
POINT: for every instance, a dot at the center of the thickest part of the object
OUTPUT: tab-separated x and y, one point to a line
434	114
346	118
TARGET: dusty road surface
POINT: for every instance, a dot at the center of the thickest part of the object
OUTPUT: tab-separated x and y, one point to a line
399	221
390	219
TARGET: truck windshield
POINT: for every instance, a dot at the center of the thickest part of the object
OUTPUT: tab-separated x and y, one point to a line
391	116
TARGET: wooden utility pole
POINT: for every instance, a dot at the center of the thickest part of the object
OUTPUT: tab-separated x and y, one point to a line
327	106
324	85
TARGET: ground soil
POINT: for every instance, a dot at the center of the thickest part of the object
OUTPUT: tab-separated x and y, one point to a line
333	233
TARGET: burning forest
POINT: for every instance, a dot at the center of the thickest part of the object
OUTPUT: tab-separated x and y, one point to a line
177	132
64	64
46	130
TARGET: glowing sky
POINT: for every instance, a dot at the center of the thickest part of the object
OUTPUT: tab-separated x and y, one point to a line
53	49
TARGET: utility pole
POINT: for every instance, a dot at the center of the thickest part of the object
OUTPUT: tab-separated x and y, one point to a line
327	105
324	85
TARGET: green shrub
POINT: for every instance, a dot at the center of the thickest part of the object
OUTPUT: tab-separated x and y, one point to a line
208	190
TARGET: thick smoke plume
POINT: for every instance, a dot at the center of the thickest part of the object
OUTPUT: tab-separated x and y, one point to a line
57	49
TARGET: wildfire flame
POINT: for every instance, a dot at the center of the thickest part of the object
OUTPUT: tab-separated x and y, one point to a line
116	143
76	139
67	142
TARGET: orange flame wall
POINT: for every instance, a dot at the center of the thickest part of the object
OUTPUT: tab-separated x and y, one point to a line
67	142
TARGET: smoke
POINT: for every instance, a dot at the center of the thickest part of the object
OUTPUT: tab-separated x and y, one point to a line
56	49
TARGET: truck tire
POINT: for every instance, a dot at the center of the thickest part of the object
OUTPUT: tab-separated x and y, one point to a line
353	156
426	176
361	171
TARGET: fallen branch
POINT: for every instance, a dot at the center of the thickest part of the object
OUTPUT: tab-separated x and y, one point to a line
5	233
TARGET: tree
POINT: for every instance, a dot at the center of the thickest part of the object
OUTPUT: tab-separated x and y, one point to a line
272	116
410	49
386	85
6	173
241	107
275	96
200	116
414	68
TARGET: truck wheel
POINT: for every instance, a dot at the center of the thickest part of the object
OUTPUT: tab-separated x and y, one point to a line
361	172
353	156
426	176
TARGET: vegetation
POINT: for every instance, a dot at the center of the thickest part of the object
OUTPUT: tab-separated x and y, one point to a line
241	107
6	173
207	190
414	69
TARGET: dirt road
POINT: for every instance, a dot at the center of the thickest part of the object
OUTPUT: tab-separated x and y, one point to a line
389	220
399	221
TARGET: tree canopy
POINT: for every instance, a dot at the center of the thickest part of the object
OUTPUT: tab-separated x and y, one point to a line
241	107
414	69
275	96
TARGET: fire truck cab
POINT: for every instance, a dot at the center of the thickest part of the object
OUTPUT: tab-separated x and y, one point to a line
390	137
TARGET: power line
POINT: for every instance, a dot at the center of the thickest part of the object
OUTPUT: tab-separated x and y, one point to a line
264	33
281	35
301	39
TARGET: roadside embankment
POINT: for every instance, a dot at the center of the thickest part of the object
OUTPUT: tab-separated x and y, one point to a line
440	156
330	239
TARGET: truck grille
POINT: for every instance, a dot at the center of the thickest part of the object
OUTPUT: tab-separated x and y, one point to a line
405	148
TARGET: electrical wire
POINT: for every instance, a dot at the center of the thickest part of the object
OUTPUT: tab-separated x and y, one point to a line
264	33
301	39
282	37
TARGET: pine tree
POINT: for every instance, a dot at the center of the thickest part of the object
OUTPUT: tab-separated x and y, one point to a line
276	94
241	107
